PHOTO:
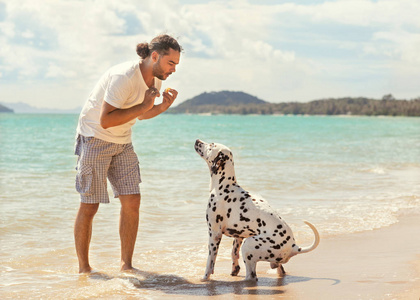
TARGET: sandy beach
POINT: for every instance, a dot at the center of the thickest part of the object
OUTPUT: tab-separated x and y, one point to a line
378	264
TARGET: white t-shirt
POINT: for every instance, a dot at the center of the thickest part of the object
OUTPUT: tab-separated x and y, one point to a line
122	86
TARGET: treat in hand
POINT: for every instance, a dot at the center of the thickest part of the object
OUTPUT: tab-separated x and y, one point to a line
167	90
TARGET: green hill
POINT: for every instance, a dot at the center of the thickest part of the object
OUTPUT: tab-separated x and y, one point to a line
216	102
5	109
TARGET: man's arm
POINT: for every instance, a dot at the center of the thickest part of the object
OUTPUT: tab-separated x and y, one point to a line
112	116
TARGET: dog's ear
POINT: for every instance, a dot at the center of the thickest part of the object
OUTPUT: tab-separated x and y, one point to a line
218	162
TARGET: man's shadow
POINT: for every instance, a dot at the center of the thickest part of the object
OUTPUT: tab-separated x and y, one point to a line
175	285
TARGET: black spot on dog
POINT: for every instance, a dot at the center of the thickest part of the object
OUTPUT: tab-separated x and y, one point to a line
249	257
219	218
242	218
251	231
234	232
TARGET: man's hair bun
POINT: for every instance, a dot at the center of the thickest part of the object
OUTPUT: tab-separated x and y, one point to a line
143	50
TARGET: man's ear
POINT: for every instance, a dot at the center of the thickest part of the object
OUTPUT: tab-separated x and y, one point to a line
155	56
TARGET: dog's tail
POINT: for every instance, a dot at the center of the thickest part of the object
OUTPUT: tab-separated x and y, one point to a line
315	244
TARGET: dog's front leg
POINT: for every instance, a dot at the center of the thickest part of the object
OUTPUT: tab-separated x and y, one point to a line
214	242
237	242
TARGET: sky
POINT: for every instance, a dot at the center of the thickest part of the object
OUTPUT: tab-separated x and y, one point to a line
52	52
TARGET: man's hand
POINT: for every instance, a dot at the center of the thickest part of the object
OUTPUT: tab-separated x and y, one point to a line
169	96
149	98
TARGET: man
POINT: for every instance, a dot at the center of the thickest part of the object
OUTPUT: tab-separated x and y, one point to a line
126	92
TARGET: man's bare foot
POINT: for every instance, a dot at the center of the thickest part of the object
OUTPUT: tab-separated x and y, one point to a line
85	270
131	270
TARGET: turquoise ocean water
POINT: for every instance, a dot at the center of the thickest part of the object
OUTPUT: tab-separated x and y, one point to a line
344	174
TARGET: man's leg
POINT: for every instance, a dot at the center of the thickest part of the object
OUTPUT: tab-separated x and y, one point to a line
83	234
129	223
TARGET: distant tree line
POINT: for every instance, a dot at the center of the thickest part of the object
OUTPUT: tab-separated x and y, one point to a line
388	106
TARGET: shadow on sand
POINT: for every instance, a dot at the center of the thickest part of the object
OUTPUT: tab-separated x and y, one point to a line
175	285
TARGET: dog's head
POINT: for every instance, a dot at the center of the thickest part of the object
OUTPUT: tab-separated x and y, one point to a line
216	155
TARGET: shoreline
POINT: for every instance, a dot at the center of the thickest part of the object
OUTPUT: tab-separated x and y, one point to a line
378	264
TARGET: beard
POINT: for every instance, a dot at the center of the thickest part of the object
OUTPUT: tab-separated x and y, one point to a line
159	72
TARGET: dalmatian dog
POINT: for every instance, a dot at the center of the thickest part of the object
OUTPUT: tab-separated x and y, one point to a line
234	212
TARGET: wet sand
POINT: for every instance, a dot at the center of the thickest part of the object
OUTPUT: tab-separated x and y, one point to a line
378	264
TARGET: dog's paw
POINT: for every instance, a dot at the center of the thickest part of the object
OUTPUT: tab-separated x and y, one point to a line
251	279
280	271
235	271
274	265
252	276
204	279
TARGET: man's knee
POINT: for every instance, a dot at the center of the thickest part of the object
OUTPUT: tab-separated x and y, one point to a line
88	210
130	202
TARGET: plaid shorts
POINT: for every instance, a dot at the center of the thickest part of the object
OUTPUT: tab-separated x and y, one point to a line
99	160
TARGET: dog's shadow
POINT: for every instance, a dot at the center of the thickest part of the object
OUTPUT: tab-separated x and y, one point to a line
175	285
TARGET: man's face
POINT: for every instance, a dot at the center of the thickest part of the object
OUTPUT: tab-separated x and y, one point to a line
166	64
